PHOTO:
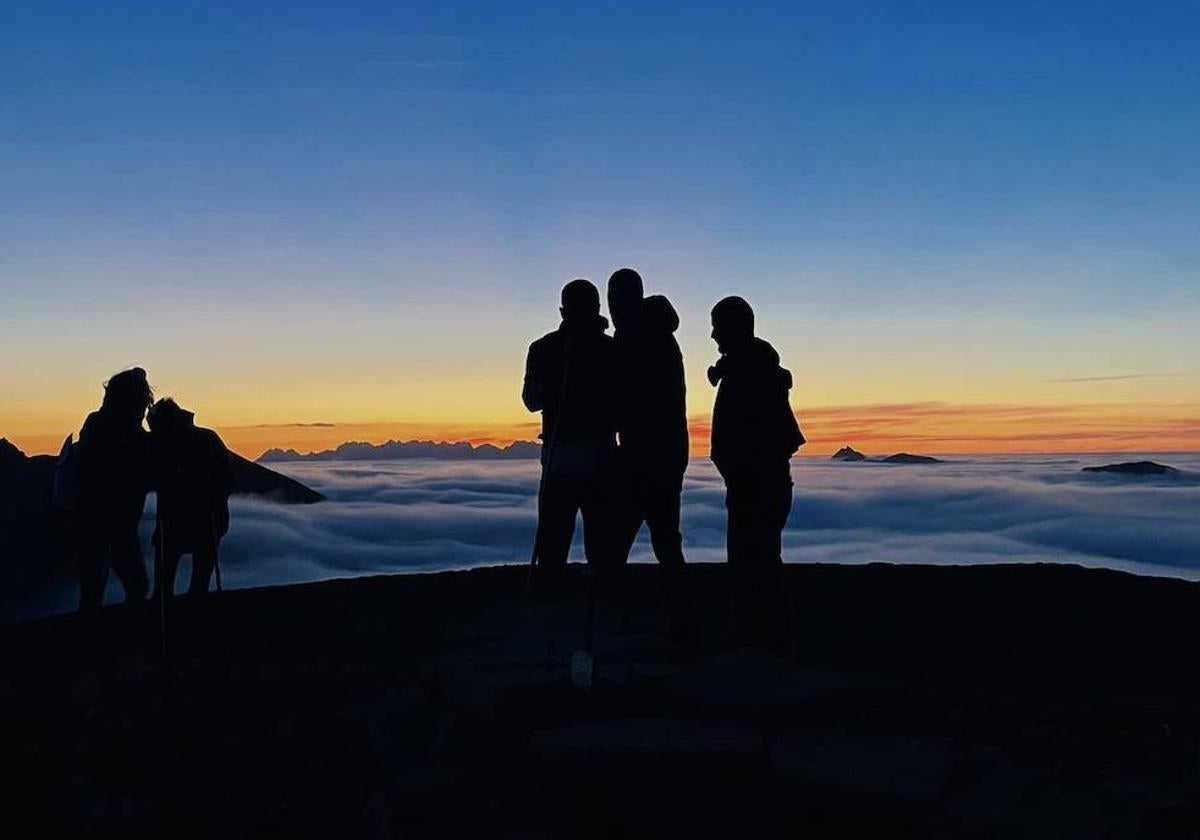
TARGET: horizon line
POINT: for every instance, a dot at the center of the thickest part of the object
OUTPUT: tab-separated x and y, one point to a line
919	426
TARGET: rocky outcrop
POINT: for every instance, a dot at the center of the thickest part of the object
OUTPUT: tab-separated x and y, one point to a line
1136	468
254	479
906	458
848	453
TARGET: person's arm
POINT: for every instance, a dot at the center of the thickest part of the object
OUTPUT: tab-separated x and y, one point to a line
533	392
678	397
678	379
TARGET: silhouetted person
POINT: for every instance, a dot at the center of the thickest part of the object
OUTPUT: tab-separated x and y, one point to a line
651	419
114	476
754	435
193	477
569	378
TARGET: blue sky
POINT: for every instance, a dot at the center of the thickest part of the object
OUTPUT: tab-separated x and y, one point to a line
363	211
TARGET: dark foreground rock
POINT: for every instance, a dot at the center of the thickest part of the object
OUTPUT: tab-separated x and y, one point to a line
1134	468
1031	701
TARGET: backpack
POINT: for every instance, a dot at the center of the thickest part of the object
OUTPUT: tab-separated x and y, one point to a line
791	436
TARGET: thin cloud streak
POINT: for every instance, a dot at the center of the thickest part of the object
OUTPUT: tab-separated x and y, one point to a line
1118	377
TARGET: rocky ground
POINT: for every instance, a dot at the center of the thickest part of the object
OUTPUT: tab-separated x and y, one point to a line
1030	701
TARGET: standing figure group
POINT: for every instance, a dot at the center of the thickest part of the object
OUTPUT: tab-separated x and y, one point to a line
615	442
116	463
614	449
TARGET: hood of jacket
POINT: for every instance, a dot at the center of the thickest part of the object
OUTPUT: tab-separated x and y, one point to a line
659	316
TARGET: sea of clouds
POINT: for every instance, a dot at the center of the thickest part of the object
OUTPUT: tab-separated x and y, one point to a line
427	515
423	515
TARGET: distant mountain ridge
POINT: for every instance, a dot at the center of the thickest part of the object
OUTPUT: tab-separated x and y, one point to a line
397	449
849	453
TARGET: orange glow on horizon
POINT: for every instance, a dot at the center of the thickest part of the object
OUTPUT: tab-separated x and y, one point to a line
995	429
926	428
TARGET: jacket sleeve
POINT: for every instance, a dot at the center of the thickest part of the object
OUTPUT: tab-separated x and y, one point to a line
533	393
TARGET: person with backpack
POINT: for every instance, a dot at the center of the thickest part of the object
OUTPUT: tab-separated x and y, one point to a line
754	435
112	477
193	476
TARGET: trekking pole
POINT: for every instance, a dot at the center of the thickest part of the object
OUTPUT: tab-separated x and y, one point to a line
217	568
159	564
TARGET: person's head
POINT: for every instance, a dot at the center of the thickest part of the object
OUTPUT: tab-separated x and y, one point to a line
127	395
167	417
624	297
733	323
580	301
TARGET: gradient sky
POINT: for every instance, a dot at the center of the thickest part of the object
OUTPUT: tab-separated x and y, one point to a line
948	215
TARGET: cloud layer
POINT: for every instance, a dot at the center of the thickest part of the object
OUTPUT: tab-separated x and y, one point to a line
386	517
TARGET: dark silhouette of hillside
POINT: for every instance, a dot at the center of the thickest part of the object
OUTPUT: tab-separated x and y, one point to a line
252	479
34	545
396	450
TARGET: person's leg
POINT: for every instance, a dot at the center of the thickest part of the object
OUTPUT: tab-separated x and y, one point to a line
557	508
611	516
772	508
128	564
624	519
204	560
662	501
91	557
662	504
739	545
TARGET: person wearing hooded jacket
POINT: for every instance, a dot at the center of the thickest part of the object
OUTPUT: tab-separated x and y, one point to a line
113	475
569	379
651	418
754	435
193	477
